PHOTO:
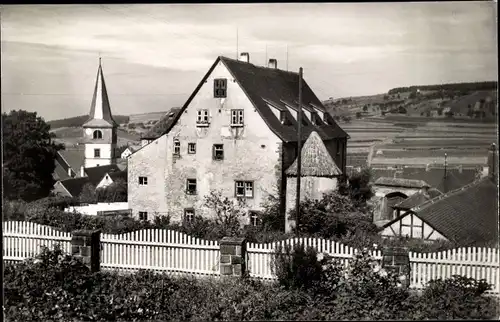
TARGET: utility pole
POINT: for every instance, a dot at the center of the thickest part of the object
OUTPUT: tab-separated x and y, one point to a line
445	163
299	152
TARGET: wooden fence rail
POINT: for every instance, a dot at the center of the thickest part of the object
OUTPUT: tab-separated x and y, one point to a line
178	253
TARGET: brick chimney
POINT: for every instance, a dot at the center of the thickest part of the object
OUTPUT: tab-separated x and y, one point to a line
493	161
273	63
245	57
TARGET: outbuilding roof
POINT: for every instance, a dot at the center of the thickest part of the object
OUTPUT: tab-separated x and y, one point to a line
316	161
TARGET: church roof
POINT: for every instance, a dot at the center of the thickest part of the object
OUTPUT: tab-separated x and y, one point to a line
100	110
316	160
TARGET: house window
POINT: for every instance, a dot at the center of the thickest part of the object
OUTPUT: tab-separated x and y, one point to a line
244	189
188	215
97	153
236	117
218	152
177	147
143	181
143	215
191	148
202	118
191	186
97	134
220	86
254	219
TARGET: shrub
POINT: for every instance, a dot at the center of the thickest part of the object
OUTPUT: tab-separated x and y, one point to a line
296	267
457	297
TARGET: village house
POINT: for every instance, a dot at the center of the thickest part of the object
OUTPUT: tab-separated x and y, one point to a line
95	162
128	151
237	133
467	216
392	186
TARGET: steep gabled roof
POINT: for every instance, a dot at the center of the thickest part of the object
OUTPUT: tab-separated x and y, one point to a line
118	175
75	185
100	110
436	178
316	160
261	85
163	125
466	216
95	174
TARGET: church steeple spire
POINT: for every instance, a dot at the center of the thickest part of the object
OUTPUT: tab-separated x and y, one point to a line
100	110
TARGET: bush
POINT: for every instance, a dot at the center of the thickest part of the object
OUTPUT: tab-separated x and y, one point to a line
296	268
55	286
458	297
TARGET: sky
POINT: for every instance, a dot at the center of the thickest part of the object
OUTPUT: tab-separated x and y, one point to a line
154	55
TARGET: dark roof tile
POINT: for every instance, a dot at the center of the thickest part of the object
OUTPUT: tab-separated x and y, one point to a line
95	174
262	85
467	216
75	185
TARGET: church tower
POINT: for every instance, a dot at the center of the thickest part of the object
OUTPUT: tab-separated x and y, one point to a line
100	130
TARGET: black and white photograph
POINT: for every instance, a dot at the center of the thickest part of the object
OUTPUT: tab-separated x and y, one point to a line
250	161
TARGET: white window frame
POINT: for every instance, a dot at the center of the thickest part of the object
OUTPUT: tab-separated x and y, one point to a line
237	117
189	214
143	181
247	186
202	118
97	153
254	219
177	147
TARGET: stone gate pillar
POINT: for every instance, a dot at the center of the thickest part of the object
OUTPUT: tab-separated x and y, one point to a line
86	244
233	256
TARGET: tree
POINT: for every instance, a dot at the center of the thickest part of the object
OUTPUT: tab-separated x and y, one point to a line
358	187
88	194
115	192
29	155
358	115
365	108
440	111
227	212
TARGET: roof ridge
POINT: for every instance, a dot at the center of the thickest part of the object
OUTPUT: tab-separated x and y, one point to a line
259	66
449	194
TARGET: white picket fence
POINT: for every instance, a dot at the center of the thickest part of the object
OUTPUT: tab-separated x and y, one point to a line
260	255
160	250
22	240
177	253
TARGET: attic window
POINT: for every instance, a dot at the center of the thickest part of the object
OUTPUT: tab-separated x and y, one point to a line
220	88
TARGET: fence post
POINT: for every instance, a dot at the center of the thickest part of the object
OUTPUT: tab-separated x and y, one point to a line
86	244
233	256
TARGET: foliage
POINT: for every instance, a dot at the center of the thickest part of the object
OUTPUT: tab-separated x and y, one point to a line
115	192
55	286
88	194
358	187
296	267
457	297
334	216
29	154
228	213
358	115
447	87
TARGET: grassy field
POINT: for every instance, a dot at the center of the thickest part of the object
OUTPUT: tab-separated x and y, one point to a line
405	141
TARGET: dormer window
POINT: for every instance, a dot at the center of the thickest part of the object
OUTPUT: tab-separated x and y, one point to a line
97	134
236	117
202	118
220	88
